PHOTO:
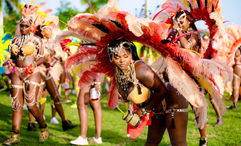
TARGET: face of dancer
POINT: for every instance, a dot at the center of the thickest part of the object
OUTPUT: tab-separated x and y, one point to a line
47	32
123	59
24	28
184	22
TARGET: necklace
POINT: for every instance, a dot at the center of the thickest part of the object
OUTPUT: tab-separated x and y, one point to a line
22	40
124	77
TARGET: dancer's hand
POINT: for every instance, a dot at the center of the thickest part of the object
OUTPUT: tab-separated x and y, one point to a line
141	112
97	86
177	28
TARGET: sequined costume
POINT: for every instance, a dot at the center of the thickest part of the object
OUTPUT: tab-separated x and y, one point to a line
26	55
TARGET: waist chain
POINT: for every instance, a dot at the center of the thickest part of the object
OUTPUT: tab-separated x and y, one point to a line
173	111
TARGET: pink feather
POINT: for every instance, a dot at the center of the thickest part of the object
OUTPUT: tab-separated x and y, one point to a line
158	13
177	38
113	97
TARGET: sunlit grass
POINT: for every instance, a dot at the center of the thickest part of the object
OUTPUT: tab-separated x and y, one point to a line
114	128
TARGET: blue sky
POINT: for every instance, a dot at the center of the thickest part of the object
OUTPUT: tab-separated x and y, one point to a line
231	9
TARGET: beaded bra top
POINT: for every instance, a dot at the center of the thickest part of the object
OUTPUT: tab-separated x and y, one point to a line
125	78
25	45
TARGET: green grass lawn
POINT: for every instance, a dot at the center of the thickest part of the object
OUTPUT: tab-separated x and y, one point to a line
114	128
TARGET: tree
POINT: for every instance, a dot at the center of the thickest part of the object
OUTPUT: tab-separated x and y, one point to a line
95	4
12	10
65	12
1	17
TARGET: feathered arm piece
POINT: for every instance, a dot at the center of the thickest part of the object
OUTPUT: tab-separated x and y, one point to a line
108	10
227	47
113	97
5	41
85	54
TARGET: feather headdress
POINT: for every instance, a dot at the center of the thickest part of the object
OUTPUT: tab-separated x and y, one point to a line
101	32
36	15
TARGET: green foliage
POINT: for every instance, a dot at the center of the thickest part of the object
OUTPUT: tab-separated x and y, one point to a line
65	12
12	6
95	4
10	23
12	11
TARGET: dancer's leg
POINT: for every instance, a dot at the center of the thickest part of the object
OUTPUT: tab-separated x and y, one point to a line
176	122
31	89
217	111
96	107
82	103
55	96
17	103
236	86
17	108
156	130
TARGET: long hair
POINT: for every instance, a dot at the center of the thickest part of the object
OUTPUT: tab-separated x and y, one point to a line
188	16
114	46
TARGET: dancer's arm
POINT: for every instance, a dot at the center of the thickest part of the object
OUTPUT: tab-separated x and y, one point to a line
41	59
188	43
150	79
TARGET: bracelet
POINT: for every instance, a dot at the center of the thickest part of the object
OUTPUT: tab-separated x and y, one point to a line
144	111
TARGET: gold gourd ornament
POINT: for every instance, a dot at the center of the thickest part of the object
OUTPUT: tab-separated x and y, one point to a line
28	49
15	49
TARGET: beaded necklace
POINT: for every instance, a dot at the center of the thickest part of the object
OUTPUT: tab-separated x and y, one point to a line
124	77
22	40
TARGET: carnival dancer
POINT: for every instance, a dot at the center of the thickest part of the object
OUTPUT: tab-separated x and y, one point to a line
183	23
228	40
27	55
66	76
182	15
89	94
234	44
236	78
51	75
138	85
